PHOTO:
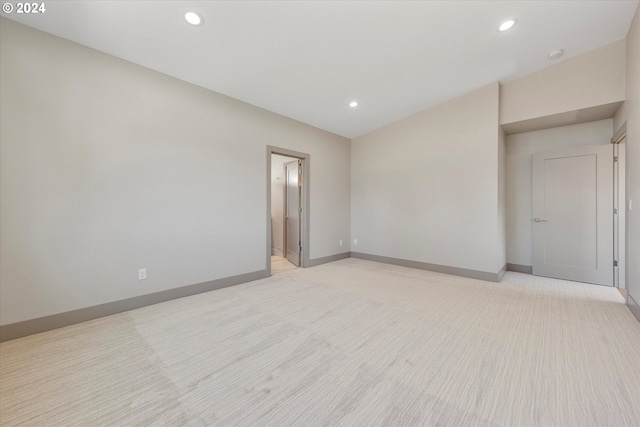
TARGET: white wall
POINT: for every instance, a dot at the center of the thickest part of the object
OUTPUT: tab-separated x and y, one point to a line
426	188
591	79
520	148
277	202
107	167
630	112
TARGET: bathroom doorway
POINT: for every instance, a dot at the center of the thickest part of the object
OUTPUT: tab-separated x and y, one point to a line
287	234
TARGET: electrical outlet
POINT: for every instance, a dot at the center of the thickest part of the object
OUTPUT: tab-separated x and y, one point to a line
340	242
142	274
355	241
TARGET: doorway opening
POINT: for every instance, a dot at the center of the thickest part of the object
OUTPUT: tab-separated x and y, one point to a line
287	210
572	224
579	218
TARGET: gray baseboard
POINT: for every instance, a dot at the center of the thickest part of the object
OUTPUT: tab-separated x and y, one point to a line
456	271
55	321
330	258
502	272
633	306
527	269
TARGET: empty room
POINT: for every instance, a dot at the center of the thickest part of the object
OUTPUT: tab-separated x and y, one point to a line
320	213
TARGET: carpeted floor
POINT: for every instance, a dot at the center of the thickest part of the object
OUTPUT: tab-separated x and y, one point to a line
347	343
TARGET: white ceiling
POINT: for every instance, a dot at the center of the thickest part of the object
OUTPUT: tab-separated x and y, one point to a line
308	59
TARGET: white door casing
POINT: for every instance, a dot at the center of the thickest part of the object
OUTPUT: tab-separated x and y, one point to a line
572	216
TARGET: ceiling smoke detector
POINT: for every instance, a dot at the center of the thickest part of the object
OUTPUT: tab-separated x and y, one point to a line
555	54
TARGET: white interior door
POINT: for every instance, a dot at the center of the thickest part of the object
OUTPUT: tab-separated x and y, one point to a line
293	173
573	214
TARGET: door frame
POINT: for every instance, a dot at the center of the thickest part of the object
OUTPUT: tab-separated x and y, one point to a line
604	271
304	218
620	136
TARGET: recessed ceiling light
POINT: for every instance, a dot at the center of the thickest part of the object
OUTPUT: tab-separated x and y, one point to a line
508	24
193	18
353	104
555	54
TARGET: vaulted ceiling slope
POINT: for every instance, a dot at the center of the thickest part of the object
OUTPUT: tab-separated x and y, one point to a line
309	59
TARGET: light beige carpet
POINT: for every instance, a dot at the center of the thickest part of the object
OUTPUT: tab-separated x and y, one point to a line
347	343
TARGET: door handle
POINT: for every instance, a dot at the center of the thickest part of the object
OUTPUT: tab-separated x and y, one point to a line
539	220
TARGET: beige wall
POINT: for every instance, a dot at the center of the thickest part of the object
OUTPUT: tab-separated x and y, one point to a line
107	167
630	112
588	80
426	188
520	148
